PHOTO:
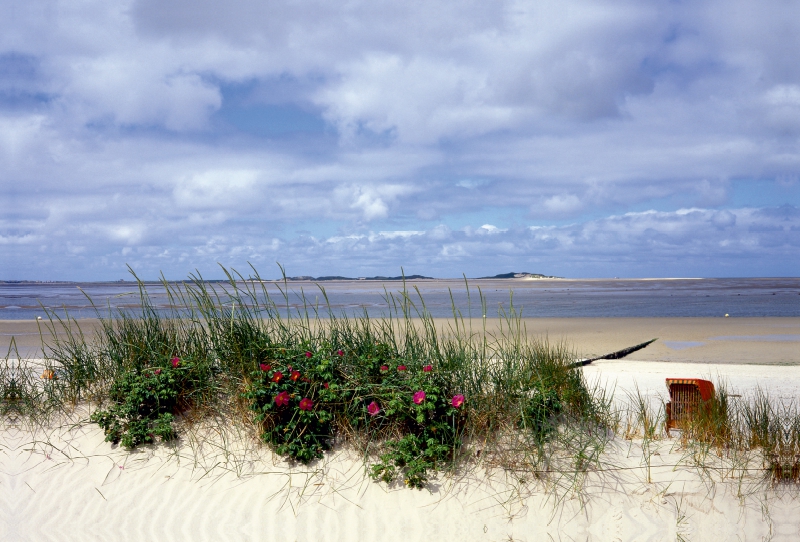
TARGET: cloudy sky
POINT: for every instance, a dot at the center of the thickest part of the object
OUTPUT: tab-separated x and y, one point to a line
581	138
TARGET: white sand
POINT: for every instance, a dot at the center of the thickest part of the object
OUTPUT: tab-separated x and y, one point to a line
87	491
67	484
781	383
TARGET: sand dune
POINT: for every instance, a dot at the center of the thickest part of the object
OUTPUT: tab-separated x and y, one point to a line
65	483
75	487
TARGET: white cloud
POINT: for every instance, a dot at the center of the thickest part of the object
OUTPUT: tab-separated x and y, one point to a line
562	204
400	234
488	229
131	92
115	129
217	189
372	201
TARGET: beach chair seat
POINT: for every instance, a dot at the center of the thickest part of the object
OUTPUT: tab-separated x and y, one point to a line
686	395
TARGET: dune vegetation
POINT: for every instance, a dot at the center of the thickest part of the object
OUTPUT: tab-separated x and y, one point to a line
412	396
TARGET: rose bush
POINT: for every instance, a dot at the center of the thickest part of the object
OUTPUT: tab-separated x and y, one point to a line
375	391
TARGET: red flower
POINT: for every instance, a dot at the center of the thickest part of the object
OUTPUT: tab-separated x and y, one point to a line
265	367
340	352
282	399
176	361
427	369
306	403
157	371
277	376
401	367
419	397
457	401
326	385
294	376
373	409
384	368
309	354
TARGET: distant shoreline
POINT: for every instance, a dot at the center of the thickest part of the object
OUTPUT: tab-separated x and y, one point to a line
410	278
417	278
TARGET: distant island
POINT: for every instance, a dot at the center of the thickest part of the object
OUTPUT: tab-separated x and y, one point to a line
520	276
416	277
306	278
379	278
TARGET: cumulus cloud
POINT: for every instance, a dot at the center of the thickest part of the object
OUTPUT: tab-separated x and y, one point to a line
686	242
562	204
217	189
144	131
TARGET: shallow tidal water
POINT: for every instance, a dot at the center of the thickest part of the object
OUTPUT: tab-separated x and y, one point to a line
552	298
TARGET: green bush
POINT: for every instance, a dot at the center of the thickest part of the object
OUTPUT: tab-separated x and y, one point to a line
143	403
293	395
298	397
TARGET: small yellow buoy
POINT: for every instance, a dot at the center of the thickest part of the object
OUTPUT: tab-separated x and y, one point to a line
726	315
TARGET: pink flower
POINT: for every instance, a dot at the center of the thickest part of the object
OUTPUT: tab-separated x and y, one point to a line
176	361
427	369
294	376
277	376
401	367
282	399
419	397
457	401
265	367
340	352
306	403
384	368
308	354
373	408
157	371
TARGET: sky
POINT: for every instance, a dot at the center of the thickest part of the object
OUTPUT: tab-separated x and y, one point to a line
577	138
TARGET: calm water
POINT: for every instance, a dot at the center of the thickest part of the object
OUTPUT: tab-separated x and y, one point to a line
543	298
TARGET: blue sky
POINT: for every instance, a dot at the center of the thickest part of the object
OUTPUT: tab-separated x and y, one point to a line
575	138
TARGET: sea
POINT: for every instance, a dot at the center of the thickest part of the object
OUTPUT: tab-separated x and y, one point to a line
534	298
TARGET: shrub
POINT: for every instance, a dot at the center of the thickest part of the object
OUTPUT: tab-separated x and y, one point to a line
414	403
293	395
143	403
300	397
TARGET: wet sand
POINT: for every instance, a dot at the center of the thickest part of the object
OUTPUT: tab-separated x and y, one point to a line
27	336
765	341
770	341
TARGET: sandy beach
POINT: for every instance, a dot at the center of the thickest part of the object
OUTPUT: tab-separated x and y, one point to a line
64	482
94	493
762	341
